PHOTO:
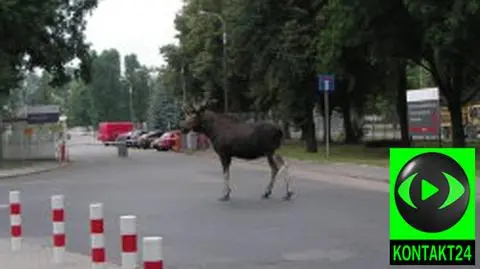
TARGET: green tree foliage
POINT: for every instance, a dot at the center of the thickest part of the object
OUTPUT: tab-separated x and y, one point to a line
377	49
108	92
449	49
137	78
164	112
275	49
45	34
80	105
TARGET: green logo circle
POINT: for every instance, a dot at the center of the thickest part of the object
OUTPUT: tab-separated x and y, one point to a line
432	192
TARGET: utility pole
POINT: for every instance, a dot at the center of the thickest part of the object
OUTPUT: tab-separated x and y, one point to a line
225	56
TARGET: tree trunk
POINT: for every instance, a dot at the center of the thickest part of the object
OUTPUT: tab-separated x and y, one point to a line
330	113
310	137
454	106
309	101
350	136
303	132
401	86
286	130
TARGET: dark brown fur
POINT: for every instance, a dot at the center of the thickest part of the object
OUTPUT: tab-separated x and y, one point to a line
231	138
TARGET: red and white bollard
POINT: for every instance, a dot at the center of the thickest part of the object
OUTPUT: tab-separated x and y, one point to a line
97	241
128	232
15	220
152	253
58	220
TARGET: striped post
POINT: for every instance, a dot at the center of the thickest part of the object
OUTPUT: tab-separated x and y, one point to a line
128	234
96	236
152	253
15	220
59	237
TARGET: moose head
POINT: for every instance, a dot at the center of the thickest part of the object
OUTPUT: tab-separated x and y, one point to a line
194	114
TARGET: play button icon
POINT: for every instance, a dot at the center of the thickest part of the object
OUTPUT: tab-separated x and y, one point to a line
431	192
428	190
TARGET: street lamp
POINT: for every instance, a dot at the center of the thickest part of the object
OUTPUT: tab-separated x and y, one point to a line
225	79
184	85
130	97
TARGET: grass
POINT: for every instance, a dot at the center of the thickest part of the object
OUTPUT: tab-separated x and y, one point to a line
355	154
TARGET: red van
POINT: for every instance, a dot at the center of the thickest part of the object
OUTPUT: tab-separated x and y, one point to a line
108	131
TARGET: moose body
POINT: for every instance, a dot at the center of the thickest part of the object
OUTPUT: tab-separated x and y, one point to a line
248	141
231	138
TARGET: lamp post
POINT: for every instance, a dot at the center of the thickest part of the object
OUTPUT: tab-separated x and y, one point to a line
130	103
225	79
184	85
130	96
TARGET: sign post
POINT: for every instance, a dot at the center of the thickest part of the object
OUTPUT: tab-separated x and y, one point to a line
326	83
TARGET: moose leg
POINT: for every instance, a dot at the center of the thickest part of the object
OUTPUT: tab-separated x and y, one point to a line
226	161
274	172
288	179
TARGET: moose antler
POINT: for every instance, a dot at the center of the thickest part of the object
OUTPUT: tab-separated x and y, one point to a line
198	104
186	108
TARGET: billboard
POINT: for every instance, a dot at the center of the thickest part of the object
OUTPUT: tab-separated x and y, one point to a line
424	117
41	114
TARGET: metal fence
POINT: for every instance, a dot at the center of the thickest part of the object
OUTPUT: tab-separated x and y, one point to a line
374	127
21	141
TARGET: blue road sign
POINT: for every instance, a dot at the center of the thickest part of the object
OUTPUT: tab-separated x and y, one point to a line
326	82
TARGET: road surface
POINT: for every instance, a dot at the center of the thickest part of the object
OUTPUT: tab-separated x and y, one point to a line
334	222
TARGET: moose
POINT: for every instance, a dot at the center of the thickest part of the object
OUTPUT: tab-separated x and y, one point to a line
233	138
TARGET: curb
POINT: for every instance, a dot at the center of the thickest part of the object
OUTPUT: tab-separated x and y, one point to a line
261	163
258	164
354	177
39	171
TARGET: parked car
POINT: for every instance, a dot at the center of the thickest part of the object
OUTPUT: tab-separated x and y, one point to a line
145	140
166	141
130	137
109	131
132	140
123	136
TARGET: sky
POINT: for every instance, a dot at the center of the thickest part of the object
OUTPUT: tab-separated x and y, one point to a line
133	26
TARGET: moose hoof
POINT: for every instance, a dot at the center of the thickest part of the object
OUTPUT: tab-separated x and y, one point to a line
267	194
288	196
224	198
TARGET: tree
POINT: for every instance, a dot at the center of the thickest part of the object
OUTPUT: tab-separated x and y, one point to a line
109	95
137	78
163	111
44	34
80	105
449	52
375	48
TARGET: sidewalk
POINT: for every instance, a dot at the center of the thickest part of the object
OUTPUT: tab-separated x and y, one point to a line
365	172
31	169
341	169
39	256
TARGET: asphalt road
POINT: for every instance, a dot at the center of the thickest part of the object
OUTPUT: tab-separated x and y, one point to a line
328	225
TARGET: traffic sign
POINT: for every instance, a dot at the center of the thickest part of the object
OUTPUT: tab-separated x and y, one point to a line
326	82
